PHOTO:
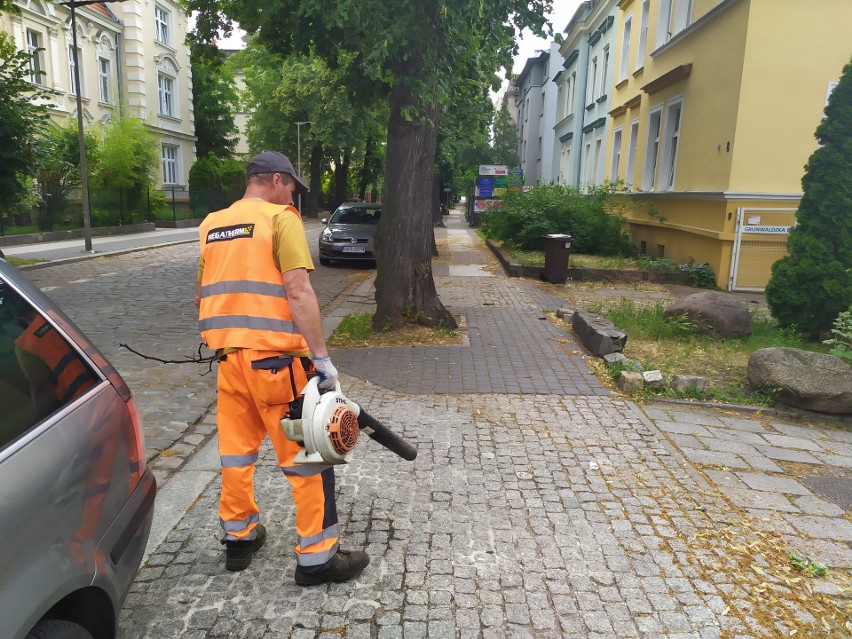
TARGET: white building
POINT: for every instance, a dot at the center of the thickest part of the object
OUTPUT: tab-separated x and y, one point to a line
130	53
536	107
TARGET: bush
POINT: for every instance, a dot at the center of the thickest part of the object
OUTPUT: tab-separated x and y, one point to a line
593	219
215	183
812	285
842	340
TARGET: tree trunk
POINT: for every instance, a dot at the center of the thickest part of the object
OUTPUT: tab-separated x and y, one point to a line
365	169
312	199
404	282
341	180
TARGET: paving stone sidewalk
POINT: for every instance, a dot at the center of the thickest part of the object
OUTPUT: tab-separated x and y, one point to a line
534	509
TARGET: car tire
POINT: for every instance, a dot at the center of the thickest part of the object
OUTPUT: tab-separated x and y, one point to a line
325	261
58	629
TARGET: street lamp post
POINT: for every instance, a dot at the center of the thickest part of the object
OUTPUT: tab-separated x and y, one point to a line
299	156
81	139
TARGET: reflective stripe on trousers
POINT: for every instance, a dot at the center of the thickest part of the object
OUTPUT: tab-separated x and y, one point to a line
251	403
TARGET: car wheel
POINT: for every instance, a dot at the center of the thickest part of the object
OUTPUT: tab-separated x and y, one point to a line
325	261
58	629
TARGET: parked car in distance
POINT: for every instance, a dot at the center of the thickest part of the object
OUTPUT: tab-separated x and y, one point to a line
350	233
76	496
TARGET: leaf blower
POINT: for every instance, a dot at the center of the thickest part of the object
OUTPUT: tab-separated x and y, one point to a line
328	425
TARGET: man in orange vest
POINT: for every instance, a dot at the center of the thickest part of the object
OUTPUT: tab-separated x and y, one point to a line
257	309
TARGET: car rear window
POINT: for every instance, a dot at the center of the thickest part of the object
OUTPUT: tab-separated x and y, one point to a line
357	215
40	372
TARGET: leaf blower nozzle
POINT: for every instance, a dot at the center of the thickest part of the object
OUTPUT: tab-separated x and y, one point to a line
328	426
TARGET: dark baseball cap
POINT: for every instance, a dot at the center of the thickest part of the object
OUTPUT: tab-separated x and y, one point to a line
275	162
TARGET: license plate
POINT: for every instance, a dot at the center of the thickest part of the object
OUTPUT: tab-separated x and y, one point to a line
354	249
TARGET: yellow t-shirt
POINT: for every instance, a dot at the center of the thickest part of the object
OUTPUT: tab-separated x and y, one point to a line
289	244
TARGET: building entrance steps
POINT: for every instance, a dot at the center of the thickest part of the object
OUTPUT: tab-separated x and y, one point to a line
512	347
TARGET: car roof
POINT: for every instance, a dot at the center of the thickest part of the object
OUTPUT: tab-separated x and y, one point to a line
360	205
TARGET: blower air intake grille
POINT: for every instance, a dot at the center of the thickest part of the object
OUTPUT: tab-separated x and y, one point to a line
343	430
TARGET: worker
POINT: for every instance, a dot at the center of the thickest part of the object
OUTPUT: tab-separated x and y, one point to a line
257	309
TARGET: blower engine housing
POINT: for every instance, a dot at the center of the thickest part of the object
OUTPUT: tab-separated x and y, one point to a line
328	428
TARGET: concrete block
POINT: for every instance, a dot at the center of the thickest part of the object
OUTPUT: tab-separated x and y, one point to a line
597	333
684	383
630	382
654	379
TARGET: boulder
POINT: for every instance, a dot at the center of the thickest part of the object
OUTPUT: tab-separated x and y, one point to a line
630	382
566	313
714	312
684	383
597	333
813	381
654	379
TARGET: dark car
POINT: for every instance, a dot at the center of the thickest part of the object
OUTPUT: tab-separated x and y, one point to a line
76	496
350	233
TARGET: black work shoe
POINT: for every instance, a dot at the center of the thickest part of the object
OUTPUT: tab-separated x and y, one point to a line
238	554
345	565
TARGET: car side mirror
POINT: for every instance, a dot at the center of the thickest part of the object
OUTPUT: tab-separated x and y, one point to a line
325	220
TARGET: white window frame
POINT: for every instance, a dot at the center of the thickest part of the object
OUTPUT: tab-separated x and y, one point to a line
652	148
632	145
572	88
671	143
162	25
587	159
565	163
598	159
664	23
167	93
624	63
681	15
616	153
643	34
72	83
36	62
104	80
171	164
591	89
604	69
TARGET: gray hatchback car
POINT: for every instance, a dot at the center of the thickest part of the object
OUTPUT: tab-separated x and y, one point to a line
350	233
76	497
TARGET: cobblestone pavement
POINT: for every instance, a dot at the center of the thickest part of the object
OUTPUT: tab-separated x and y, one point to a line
557	513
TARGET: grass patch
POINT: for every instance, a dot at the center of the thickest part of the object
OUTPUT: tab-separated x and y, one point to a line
22	261
356	331
671	347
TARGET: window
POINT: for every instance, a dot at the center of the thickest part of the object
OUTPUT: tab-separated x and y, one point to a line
565	162
166	86
163	25
591	90
170	164
587	159
36	62
625	49
42	372
596	167
664	23
681	16
616	155
572	84
71	68
652	150
632	143
643	34
604	70
670	145
104	81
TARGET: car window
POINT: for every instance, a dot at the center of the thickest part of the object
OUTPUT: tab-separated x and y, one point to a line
357	215
40	372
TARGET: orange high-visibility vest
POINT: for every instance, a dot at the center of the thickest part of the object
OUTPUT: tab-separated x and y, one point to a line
70	375
243	300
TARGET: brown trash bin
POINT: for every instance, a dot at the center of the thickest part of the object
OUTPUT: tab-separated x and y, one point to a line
557	247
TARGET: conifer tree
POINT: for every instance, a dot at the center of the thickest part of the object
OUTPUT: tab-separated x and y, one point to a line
813	283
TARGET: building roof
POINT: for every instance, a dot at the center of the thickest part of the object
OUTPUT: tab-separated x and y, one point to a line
531	62
103	9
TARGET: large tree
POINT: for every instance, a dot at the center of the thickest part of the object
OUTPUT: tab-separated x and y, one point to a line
418	51
811	286
23	115
214	100
505	136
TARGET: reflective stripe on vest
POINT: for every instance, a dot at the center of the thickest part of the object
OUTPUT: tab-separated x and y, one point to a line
243	300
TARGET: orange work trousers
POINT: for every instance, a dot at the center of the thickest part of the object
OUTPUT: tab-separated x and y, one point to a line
252	401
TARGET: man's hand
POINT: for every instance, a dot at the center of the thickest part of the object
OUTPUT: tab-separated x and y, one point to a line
327	373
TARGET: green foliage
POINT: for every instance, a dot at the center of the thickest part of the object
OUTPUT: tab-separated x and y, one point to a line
58	161
130	158
215	183
808	566
842	340
813	284
505	137
646	320
700	275
593	219
21	120
214	100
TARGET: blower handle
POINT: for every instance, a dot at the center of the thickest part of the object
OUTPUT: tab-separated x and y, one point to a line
380	433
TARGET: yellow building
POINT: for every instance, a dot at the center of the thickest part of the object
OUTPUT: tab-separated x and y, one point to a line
714	109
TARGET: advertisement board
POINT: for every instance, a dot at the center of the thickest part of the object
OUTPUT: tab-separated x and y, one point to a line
493	169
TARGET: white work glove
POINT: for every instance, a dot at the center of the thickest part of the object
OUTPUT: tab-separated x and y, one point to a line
327	373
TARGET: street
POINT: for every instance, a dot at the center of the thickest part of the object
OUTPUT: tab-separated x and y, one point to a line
540	505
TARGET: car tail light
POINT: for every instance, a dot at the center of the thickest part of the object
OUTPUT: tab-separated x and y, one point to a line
137	457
